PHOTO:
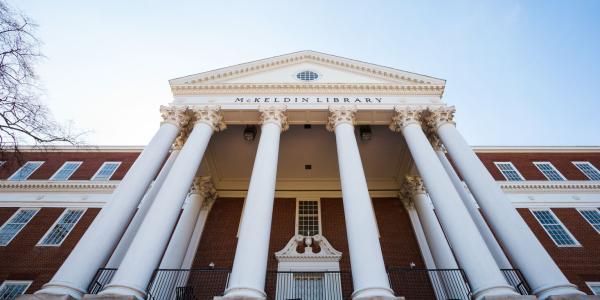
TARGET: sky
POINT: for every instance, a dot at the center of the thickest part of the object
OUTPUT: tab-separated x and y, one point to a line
520	73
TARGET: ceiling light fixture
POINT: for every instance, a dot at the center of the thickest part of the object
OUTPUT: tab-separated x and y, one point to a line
250	133
365	132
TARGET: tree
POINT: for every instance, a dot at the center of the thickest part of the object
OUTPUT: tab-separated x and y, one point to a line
24	119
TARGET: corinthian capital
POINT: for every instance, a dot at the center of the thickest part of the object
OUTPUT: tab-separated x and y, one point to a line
413	185
276	115
339	115
439	116
177	116
404	116
210	115
184	133
204	187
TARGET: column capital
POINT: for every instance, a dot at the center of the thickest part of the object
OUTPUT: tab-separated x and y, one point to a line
210	115
406	200
413	185
276	115
439	116
404	116
204	187
184	133
339	115
435	141
174	115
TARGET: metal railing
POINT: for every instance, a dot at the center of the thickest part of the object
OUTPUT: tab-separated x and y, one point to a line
516	279
102	278
328	285
187	284
414	283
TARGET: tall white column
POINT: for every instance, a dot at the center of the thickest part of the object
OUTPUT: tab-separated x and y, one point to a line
524	249
146	249
484	229
190	254
247	280
202	189
99	240
462	233
368	269
136	221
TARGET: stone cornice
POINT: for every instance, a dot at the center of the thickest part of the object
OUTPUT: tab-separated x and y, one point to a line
550	186
387	89
58	186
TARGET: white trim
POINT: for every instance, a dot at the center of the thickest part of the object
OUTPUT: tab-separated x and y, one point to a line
514	168
579	209
102	166
577	244
594	284
318	212
61	167
537	163
19	170
39	243
587	163
13	216
27	282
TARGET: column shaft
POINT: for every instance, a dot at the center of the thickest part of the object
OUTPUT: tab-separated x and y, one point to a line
524	249
147	247
100	239
484	229
469	247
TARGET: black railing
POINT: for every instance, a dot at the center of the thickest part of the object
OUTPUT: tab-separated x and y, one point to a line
187	284
416	283
102	278
329	285
516	279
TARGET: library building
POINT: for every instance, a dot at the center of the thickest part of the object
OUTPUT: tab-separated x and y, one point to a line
305	176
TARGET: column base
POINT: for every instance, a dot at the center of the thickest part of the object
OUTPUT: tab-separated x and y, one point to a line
574	297
510	297
44	296
109	297
375	293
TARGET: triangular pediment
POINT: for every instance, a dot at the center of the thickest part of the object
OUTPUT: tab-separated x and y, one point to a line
284	69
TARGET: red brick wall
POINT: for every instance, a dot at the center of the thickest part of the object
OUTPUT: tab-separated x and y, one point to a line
524	163
579	264
23	260
54	160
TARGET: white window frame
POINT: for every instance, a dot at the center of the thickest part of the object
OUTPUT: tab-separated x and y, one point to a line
577	244
13	216
298	212
537	163
2	162
63	165
587	163
588	221
40	242
104	164
591	284
27	282
512	165
19	170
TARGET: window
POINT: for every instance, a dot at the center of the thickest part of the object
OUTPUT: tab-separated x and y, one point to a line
308	286
307	75
588	169
594	287
549	171
66	170
555	229
592	215
106	170
26	170
13	226
308	217
63	226
10	289
509	171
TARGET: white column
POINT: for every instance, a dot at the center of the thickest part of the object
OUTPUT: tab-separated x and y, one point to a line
146	249
100	239
368	269
190	254
147	200
201	189
462	233
524	249
247	280
484	229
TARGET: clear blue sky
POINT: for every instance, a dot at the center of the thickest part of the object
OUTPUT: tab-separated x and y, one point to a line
519	72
